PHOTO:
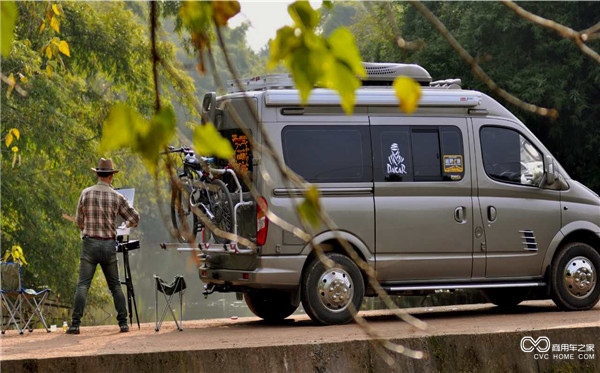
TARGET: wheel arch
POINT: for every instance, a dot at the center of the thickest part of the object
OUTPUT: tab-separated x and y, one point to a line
331	243
574	232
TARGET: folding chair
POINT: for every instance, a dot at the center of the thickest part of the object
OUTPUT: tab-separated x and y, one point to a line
10	278
35	303
169	290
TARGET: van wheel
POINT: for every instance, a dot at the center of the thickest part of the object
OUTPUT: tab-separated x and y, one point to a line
506	297
327	292
574	277
270	306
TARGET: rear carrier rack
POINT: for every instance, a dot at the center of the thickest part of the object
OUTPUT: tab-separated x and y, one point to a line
230	247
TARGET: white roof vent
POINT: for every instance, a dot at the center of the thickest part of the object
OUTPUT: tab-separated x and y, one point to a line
378	73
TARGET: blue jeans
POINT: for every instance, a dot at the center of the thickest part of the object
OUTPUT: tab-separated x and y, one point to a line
96	252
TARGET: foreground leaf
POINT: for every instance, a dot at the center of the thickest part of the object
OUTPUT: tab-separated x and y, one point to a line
54	23
63	47
209	142
224	10
8	18
11	85
310	208
408	92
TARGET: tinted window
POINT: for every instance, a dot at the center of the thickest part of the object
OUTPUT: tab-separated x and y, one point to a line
405	153
510	157
328	153
426	155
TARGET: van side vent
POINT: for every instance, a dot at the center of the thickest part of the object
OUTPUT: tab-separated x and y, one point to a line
447	84
529	242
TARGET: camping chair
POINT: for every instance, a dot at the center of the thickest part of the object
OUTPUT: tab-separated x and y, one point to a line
35	301
169	290
10	277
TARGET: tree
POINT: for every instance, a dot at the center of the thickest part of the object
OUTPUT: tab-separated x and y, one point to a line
60	121
527	60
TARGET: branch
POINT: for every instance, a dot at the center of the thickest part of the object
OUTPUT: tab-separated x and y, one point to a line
477	70
155	57
578	38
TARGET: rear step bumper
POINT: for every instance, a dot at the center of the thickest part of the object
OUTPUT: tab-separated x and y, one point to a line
274	272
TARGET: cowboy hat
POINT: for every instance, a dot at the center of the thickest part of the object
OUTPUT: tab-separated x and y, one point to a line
105	166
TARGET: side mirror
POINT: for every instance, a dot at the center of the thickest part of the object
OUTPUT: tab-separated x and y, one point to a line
549	170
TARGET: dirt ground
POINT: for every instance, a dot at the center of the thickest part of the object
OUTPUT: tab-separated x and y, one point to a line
252	332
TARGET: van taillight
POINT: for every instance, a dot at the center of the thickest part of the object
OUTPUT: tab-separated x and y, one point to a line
262	222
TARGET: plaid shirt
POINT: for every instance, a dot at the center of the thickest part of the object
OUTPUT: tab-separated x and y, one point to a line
98	208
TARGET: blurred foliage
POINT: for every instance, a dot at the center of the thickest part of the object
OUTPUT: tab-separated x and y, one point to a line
530	61
315	60
57	127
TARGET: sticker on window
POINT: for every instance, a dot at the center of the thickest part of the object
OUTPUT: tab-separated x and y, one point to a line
395	163
453	163
242	151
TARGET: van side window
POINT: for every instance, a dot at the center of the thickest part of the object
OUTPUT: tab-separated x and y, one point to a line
510	157
328	154
407	153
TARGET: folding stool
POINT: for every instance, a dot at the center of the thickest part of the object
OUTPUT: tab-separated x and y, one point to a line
168	291
10	277
30	295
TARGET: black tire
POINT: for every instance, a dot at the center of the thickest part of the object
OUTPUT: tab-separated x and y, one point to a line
191	219
506	297
222	208
574	277
270	306
320	302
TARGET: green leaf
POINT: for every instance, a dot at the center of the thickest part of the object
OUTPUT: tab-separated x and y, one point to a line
126	128
121	127
209	142
8	18
310	208
313	60
408	92
304	15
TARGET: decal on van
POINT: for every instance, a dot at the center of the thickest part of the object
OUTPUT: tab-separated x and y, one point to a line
241	145
453	163
395	163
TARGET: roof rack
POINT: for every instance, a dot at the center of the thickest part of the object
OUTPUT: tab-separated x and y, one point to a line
378	74
447	83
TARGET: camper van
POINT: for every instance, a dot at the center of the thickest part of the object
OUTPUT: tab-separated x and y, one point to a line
457	195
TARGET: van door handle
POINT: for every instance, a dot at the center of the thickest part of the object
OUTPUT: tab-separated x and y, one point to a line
492	213
459	214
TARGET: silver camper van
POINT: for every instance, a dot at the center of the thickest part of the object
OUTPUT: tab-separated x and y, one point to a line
458	195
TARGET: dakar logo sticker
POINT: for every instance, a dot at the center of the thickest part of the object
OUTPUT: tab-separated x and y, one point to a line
396	161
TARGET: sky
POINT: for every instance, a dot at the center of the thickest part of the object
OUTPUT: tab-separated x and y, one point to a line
265	17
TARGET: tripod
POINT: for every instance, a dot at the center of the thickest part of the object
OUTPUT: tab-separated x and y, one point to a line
125	247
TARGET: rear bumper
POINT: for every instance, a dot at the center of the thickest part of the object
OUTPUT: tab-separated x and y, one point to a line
272	272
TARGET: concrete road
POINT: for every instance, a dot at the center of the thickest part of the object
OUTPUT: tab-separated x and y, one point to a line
219	334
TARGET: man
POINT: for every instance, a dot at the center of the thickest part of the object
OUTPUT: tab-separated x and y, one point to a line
96	216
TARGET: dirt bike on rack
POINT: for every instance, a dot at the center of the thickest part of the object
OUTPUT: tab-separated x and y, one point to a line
199	188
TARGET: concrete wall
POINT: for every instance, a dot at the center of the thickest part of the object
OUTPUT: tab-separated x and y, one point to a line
499	352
